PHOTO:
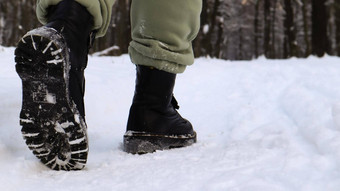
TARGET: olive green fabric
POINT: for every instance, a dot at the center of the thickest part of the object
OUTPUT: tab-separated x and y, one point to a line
162	33
162	30
99	9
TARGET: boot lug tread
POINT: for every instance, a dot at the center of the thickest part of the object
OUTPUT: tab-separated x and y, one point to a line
49	118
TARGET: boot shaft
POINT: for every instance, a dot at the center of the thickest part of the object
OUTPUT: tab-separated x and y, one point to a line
154	108
153	87
75	23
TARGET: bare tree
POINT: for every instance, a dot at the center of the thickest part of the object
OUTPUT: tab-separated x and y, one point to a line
230	29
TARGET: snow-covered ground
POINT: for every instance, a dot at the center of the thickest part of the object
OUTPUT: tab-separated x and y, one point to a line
263	125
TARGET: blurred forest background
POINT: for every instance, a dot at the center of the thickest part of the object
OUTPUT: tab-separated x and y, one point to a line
230	29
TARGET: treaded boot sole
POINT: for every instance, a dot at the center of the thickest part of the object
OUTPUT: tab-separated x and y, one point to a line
142	143
51	124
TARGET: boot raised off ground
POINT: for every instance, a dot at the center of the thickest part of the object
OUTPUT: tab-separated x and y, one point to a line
154	123
50	61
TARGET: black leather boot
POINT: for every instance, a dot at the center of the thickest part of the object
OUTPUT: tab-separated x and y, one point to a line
154	123
51	62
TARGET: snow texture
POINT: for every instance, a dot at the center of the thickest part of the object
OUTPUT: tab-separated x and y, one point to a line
263	125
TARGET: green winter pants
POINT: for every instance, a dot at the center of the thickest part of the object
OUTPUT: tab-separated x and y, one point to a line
162	30
100	9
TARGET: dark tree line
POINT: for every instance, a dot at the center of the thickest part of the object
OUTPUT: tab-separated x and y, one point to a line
230	29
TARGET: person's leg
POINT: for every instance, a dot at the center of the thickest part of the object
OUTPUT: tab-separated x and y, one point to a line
51	62
162	33
161	47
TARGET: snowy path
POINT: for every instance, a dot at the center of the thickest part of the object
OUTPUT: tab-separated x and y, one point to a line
262	125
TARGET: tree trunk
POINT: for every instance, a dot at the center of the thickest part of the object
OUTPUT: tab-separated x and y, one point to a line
337	24
319	30
257	29
231	29
308	49
290	48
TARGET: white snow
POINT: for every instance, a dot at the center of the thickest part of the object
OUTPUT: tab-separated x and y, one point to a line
106	51
51	98
205	29
56	52
33	43
48	46
262	125
54	61
59	128
77	141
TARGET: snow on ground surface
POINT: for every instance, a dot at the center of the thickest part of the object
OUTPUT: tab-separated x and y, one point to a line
263	125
